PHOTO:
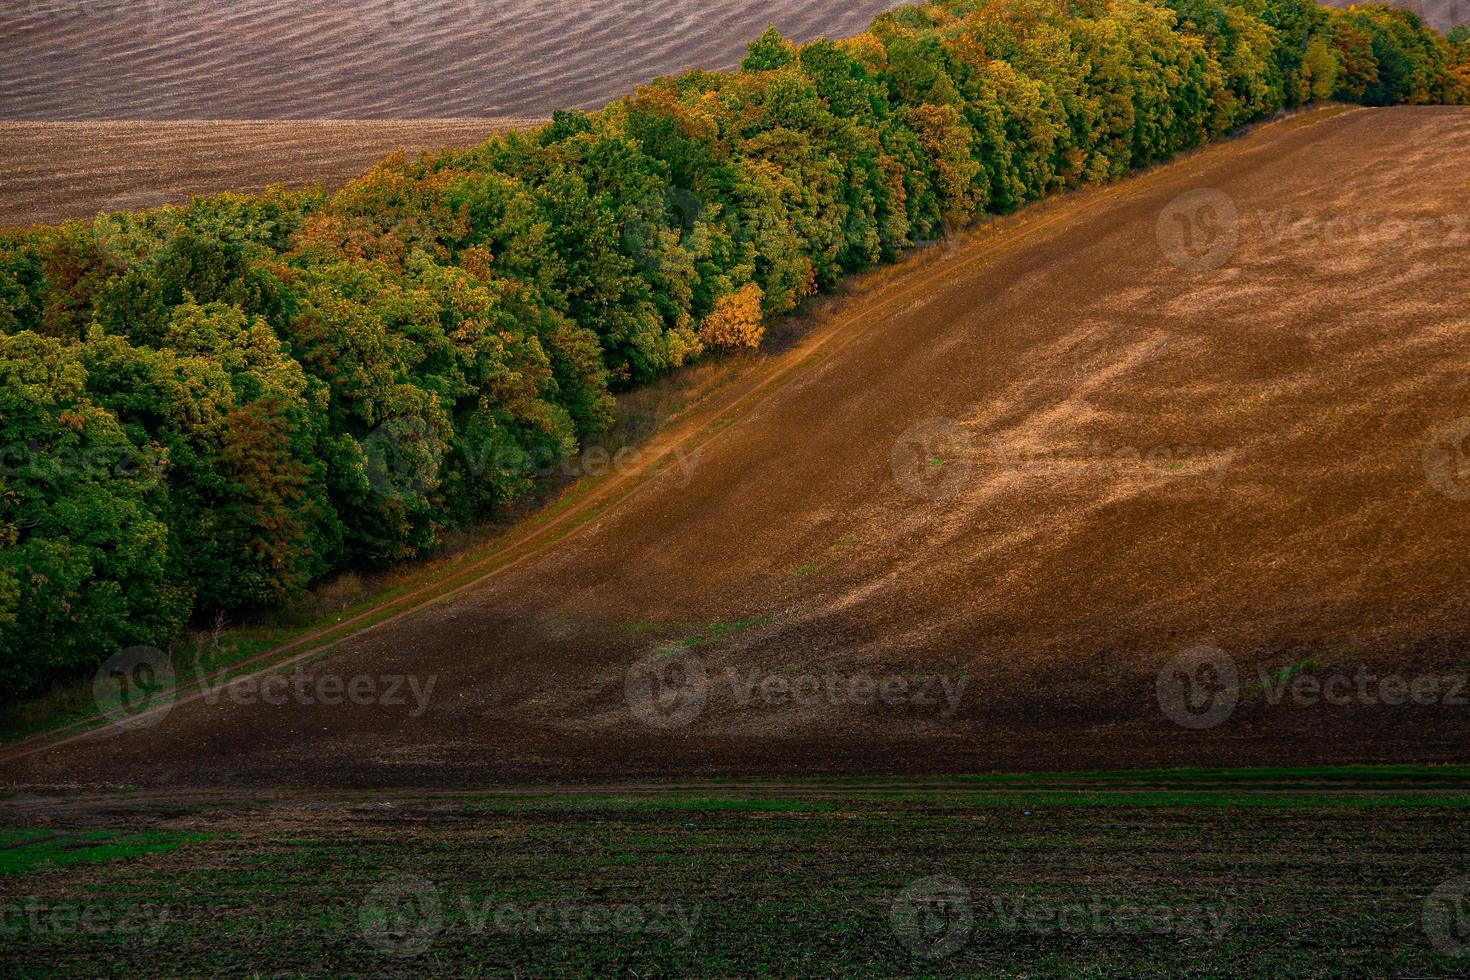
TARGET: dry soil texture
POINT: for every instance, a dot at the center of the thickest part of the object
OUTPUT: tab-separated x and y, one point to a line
58	170
971	518
737	881
379	59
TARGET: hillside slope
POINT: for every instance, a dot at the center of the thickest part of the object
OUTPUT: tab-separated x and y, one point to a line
1040	466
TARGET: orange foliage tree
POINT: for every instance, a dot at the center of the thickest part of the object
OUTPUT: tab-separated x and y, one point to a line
735	321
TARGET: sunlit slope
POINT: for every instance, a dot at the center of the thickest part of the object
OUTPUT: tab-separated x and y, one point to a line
1222	403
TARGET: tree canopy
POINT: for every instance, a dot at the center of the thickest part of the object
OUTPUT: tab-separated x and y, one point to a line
207	408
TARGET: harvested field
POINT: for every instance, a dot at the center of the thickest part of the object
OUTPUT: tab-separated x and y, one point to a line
50	171
371	59
1082	594
1221	404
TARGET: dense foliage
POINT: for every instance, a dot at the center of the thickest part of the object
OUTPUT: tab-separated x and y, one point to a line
209	407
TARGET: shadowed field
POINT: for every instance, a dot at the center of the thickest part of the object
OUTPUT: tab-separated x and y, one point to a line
53	171
966	521
1206	874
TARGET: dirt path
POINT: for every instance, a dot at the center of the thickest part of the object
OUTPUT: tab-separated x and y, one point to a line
1246	437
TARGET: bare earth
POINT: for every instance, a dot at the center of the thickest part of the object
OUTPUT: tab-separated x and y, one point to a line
388	59
1261	451
372	59
51	171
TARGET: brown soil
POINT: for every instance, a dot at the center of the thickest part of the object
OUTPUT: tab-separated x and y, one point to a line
1262	456
372	59
51	171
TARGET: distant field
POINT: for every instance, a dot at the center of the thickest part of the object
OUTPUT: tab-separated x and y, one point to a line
52	171
371	59
1200	874
1442	14
387	59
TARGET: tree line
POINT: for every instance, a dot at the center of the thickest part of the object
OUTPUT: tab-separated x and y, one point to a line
208	408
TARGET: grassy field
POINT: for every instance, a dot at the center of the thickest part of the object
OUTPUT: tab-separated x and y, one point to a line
1257	873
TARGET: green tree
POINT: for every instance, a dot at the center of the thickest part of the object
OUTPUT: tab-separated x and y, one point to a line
84	556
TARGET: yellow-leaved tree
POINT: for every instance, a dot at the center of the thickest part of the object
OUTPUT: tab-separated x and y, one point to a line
735	321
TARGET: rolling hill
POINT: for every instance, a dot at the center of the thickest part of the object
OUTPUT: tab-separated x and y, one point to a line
1026	473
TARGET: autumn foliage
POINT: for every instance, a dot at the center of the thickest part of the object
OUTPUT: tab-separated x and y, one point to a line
207	408
735	321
